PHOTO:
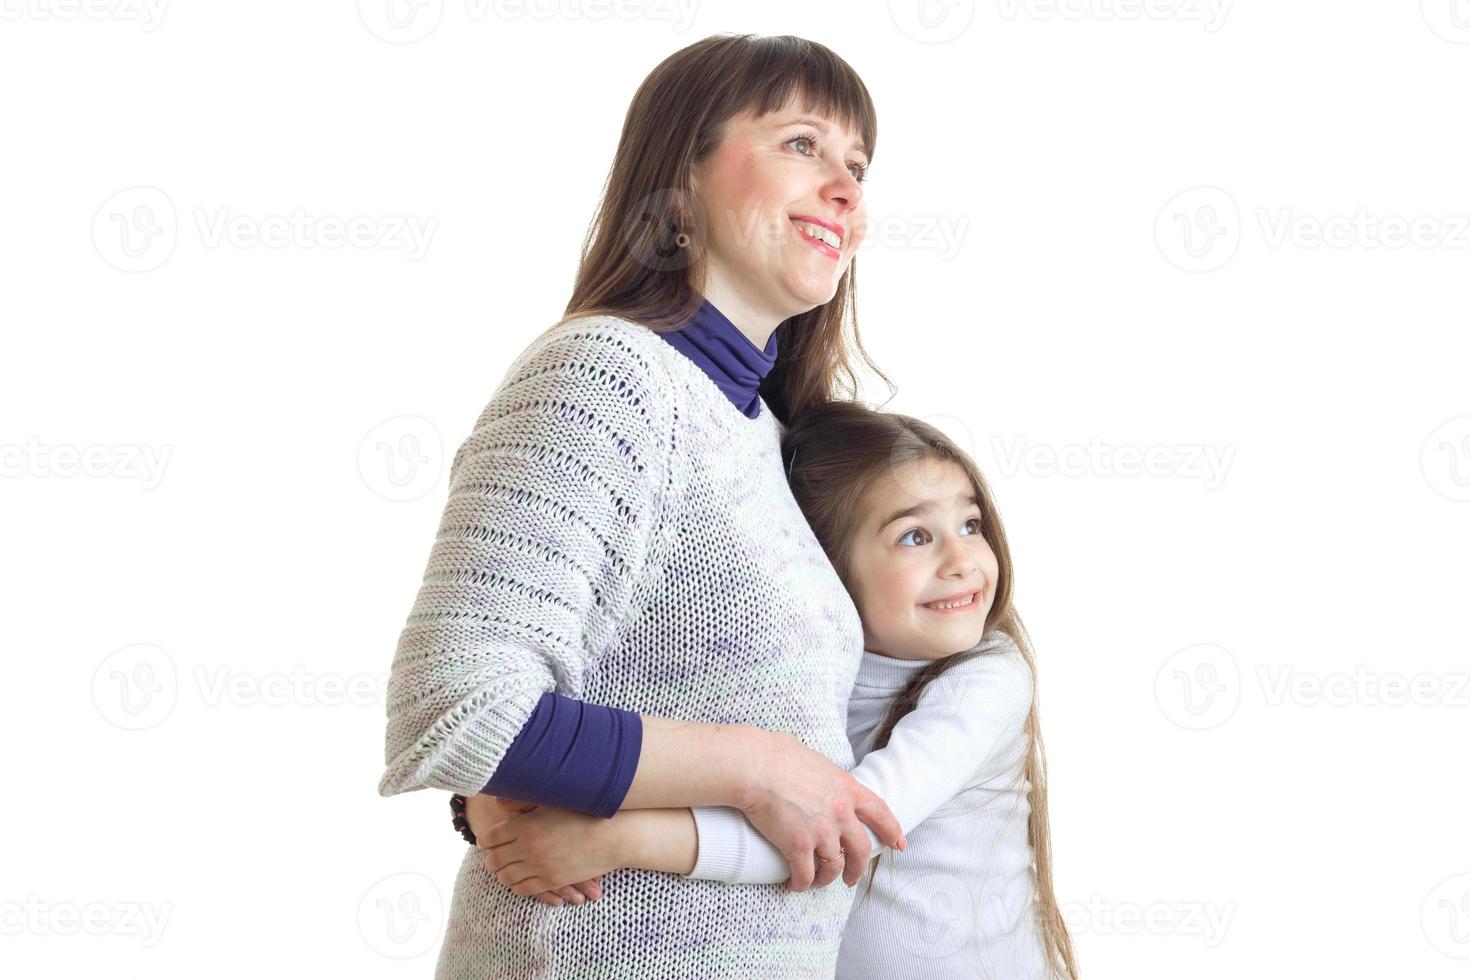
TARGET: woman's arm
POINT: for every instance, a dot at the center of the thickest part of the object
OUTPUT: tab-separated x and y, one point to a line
966	726
796	801
546	532
963	729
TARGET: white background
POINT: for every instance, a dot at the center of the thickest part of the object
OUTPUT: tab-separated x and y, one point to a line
1103	231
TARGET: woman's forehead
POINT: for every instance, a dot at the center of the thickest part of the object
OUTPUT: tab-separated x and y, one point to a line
797	108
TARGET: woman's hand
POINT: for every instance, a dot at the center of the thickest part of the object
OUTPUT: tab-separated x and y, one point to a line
808	806
485	812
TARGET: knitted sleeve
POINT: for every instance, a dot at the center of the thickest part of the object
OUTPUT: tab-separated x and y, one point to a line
962	731
553	501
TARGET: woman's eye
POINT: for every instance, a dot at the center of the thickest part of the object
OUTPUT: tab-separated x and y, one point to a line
861	170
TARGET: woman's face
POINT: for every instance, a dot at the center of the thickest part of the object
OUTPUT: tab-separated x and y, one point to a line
769	173
901	563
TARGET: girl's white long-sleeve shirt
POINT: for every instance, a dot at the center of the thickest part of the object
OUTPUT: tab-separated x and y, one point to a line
960	902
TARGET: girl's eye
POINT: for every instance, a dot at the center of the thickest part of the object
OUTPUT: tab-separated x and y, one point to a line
811	138
916	530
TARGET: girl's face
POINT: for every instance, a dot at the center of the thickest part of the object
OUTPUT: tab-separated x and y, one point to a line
919	541
769	173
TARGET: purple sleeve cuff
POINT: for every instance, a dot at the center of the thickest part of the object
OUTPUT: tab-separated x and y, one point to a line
571	755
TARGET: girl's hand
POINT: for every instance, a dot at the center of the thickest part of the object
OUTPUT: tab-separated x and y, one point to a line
484	811
546	849
807	805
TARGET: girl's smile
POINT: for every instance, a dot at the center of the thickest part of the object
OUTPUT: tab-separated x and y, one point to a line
961	602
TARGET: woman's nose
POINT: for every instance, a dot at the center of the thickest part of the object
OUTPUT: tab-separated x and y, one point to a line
844	189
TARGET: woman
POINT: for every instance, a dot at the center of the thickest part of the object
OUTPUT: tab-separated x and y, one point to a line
624	607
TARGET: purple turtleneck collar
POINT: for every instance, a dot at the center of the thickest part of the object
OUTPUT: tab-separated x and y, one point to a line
726	355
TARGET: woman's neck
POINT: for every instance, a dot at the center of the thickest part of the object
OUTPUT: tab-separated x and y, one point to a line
751	318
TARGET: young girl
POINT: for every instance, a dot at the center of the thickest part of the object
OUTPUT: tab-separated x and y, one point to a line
942	721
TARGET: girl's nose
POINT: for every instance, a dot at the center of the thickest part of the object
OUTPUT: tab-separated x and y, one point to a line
958	559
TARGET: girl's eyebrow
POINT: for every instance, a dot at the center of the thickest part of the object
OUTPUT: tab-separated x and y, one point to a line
822	128
924	508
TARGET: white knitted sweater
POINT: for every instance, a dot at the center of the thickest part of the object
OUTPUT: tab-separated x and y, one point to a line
617	531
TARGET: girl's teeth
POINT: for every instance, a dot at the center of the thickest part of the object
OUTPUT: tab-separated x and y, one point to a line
951	605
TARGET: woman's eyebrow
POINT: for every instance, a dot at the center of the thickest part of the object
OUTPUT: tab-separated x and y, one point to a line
822	128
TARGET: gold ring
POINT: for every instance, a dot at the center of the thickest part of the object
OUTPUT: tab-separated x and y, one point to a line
840	851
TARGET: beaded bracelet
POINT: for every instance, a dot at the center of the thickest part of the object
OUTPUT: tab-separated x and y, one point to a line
461	822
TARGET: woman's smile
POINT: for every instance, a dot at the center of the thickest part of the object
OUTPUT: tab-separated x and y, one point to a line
825	236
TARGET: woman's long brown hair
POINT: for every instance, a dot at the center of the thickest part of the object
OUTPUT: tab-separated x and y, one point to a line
835	454
631	266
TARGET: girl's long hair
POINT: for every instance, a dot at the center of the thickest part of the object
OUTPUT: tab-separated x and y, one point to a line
631	266
835	453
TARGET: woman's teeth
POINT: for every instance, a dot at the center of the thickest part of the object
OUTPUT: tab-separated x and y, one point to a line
820	233
952	605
